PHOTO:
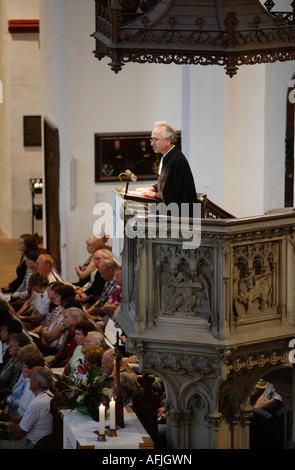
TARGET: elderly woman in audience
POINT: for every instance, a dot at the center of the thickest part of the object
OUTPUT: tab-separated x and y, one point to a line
91	358
71	317
82	328
95	338
12	369
52	333
25	242
93	243
21	395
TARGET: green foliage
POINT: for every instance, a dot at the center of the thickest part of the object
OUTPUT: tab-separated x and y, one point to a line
89	393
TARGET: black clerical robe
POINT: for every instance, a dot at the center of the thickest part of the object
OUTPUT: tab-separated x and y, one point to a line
176	182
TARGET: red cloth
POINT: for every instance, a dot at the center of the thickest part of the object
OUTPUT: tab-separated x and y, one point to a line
69	347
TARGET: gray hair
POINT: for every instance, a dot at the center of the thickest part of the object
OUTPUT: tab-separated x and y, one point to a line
109	264
97	338
128	382
76	313
43	376
168	131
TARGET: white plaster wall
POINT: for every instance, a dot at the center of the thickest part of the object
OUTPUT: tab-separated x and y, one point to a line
203	128
244	141
86	97
276	90
5	160
22	96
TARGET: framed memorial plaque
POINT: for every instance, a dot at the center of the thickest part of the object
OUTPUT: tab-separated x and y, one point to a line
32	131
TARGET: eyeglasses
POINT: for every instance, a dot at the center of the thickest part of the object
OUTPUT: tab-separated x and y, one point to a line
155	139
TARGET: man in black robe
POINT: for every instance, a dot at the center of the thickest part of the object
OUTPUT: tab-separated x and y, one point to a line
175	180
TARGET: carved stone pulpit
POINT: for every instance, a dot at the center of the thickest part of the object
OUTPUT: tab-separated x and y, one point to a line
210	321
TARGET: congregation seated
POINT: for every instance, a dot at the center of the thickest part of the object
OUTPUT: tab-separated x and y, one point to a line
82	328
15	404
53	336
128	387
107	271
61	329
114	302
11	370
22	293
45	265
107	362
72	316
25	242
35	309
91	358
91	292
95	338
36	422
8	327
93	244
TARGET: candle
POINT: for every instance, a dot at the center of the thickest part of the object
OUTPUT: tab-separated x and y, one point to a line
112	414
101	418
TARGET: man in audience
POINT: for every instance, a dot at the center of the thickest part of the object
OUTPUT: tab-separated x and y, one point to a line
45	265
89	295
37	420
107	361
107	271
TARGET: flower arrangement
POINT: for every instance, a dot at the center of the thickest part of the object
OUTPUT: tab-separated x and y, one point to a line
86	393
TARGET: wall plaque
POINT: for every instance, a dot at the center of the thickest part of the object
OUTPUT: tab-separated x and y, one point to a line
32	131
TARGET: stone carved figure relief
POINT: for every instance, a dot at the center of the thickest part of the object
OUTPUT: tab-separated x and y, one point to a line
185	279
255	279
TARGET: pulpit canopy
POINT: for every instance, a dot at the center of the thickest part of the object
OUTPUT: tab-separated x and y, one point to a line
229	33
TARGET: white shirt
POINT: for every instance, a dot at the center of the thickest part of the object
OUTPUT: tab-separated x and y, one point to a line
37	420
42	303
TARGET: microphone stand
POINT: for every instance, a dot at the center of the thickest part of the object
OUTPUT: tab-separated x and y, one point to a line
134	166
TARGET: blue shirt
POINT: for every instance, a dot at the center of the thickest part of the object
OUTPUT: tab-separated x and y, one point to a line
18	390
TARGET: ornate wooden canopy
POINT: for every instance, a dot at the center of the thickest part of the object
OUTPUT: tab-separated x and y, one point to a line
229	33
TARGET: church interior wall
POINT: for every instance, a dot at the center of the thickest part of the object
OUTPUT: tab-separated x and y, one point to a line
20	70
95	100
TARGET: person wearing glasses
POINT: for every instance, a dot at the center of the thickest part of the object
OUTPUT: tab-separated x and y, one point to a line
175	180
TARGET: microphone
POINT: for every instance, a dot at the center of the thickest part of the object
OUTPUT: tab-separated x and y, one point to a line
131	175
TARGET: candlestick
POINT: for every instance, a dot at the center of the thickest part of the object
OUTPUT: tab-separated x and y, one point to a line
101	419
112	414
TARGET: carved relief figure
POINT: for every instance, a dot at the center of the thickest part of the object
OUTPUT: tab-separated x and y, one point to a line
255	280
185	292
